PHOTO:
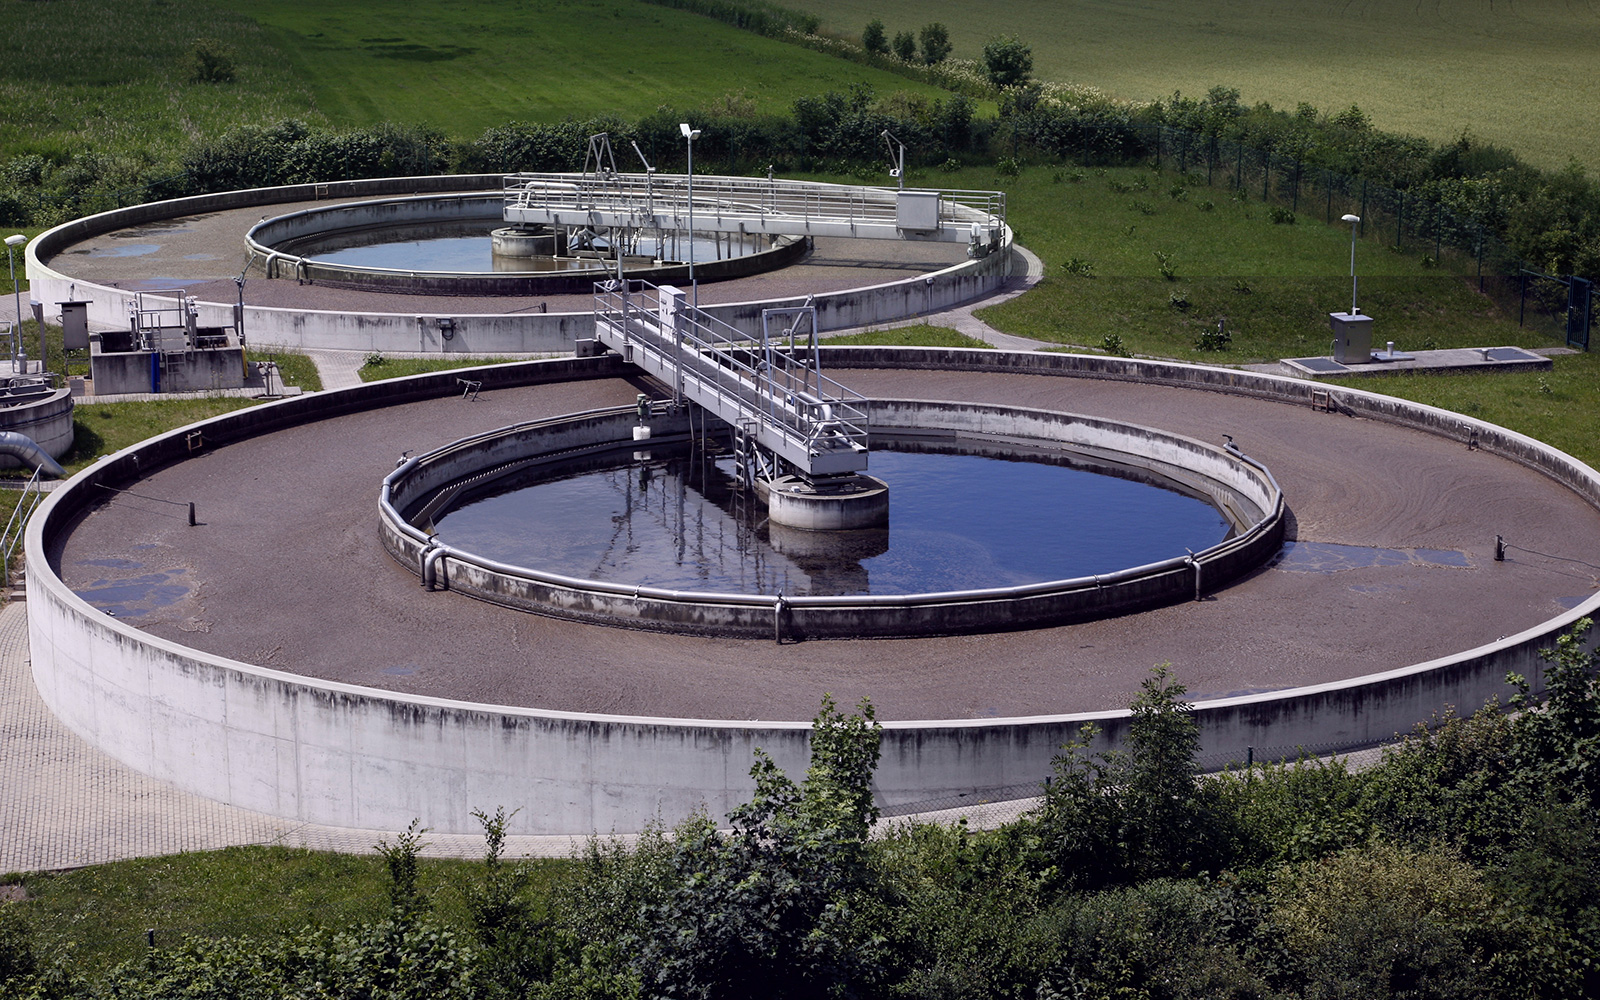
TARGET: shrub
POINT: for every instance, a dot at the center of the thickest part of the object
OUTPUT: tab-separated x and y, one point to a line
1214	340
1007	62
935	39
1164	263
1111	343
1280	216
1082	268
210	62
1008	166
873	38
1179	301
905	46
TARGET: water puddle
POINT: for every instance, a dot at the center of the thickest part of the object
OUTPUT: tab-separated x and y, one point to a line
131	250
133	597
1331	557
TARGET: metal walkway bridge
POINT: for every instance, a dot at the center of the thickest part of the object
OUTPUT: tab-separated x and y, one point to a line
777	401
754	205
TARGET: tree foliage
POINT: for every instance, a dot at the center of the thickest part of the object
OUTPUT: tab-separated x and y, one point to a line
935	39
1007	61
874	39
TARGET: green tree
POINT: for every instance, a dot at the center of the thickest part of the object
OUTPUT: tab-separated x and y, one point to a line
1007	61
767	909
905	46
874	39
935	43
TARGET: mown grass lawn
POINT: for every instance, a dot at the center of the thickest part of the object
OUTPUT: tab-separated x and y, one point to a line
1520	76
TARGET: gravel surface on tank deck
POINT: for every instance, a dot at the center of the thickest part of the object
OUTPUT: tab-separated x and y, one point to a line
203	253
287	571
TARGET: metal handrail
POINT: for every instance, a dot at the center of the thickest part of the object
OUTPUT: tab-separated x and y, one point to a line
19	521
720	200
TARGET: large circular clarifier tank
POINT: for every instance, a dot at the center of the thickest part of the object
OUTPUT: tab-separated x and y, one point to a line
620	538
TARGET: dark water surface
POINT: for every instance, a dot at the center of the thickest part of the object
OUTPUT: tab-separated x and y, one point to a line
956	522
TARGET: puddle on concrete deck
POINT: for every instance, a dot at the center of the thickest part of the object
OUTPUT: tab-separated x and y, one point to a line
134	597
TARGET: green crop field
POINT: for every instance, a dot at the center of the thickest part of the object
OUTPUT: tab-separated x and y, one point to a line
1520	75
114	75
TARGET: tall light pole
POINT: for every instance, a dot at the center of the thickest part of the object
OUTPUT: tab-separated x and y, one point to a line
898	171
1354	220
12	242
689	136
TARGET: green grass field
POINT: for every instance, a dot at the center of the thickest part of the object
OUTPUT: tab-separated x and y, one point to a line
1272	282
1519	75
459	67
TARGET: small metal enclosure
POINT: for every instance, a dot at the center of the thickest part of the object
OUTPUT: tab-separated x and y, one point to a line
1352	337
917	211
75	324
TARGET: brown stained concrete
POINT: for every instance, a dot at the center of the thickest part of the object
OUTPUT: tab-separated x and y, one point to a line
203	253
287	572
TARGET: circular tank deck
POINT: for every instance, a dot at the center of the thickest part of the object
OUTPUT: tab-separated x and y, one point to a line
204	252
1391	563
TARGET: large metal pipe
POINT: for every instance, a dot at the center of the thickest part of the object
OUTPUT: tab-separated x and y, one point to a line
26	449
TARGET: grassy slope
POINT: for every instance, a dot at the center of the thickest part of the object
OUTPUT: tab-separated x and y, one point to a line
106	909
461	67
104	76
1295	273
1519	75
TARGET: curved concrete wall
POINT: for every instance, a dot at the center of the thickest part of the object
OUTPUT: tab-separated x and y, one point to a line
269	237
1243	489
48	421
348	756
491	333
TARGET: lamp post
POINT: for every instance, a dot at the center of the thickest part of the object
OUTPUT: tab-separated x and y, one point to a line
898	171
689	136
1354	220
12	242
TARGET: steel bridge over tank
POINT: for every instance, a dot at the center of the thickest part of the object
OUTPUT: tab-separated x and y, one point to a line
608	199
775	397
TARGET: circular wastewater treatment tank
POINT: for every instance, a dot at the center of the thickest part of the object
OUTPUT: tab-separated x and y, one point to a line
674	518
998	518
460	245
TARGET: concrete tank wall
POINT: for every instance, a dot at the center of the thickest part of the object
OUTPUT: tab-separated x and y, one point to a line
48	421
322	752
1232	481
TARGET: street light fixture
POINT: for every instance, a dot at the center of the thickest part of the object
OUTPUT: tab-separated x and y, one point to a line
898	171
12	242
689	136
1354	220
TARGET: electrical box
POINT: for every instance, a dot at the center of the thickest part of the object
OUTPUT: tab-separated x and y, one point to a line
75	325
1352	338
917	211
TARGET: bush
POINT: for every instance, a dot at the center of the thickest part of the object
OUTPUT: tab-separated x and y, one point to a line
210	62
935	43
873	38
1007	62
1280	216
1214	340
905	46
